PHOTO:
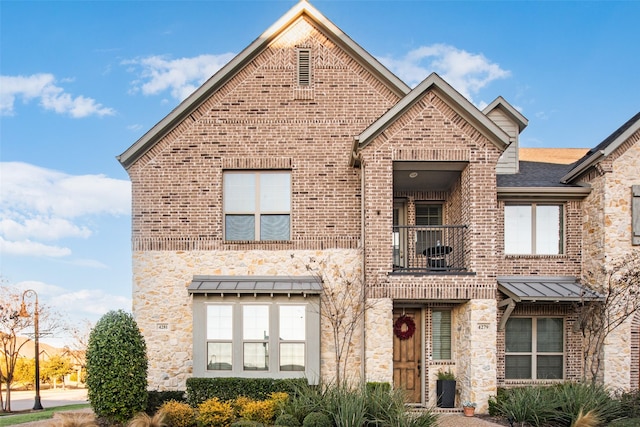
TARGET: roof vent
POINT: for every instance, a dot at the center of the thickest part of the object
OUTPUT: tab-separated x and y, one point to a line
304	67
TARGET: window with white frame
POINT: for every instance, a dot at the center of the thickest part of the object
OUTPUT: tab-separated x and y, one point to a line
275	337
533	229
534	348
257	205
441	334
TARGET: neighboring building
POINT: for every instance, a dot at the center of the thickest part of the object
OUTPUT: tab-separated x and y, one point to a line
304	172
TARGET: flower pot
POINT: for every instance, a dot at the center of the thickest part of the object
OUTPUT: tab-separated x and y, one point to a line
446	393
468	411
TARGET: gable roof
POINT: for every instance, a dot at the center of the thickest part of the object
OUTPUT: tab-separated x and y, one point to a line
200	95
453	98
606	147
511	112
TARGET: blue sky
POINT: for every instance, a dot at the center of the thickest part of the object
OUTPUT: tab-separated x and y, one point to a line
81	81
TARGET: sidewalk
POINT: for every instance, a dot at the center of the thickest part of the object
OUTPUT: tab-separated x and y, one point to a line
459	420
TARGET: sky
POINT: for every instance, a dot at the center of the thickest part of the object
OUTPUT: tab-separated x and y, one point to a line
81	81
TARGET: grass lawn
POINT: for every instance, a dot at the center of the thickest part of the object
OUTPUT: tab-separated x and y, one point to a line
29	416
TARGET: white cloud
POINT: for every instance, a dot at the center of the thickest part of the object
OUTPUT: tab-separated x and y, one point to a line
43	205
181	76
30	248
52	97
90	302
466	72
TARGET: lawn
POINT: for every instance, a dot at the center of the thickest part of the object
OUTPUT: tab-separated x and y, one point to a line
30	416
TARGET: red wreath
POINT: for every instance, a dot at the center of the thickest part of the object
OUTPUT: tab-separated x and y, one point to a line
404	327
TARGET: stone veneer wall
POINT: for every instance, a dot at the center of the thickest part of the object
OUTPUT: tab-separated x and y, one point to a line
475	329
379	340
617	242
162	306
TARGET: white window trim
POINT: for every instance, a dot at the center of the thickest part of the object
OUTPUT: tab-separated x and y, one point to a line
533	353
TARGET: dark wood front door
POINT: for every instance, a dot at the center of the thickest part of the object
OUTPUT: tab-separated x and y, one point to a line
407	358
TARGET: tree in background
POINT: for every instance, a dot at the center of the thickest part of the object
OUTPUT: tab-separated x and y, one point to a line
117	368
55	368
14	327
619	286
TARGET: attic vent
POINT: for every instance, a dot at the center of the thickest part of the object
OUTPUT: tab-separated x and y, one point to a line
304	67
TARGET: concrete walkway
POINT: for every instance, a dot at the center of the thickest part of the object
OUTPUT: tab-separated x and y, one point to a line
458	420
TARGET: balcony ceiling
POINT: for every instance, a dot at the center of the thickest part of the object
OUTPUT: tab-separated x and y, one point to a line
426	176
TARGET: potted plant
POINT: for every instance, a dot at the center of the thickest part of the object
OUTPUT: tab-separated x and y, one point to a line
446	389
468	408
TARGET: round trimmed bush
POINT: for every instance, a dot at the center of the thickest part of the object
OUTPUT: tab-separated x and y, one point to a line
117	368
178	414
317	419
287	420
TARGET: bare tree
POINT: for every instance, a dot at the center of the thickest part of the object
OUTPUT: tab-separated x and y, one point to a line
13	326
343	304
619	286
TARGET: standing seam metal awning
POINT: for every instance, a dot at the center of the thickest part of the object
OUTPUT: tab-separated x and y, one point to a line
256	285
532	289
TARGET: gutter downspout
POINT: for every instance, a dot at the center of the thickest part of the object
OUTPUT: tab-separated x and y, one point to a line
363	365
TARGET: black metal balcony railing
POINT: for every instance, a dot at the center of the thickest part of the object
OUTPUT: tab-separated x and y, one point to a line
429	248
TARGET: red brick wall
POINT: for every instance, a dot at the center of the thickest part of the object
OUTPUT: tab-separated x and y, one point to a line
260	119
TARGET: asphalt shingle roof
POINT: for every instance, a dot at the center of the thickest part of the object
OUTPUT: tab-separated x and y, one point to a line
536	174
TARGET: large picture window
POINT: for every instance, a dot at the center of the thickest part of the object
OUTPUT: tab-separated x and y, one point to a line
261	337
534	348
534	229
257	205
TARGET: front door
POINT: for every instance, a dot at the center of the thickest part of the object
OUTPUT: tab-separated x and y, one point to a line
407	351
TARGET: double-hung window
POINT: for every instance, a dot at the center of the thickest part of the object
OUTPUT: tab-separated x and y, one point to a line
257	205
534	348
533	229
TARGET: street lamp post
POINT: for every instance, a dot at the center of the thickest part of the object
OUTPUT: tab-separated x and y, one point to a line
23	313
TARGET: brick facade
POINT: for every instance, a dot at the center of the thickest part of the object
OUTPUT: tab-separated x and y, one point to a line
260	118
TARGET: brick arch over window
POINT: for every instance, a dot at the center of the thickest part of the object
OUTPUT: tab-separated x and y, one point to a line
635	352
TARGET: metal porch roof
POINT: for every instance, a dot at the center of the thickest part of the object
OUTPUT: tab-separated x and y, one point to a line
255	285
537	288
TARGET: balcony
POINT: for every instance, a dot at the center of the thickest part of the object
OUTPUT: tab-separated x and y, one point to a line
429	249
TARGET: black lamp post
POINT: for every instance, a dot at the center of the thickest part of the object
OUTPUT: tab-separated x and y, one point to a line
23	313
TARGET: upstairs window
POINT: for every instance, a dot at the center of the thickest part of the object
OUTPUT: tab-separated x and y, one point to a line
428	222
257	206
533	229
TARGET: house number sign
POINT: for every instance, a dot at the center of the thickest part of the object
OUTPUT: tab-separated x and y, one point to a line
483	326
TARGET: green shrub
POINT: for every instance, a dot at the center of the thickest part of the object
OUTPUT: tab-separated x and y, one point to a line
116	360
201	389
316	419
630	403
533	405
287	420
348	406
215	413
247	423
178	414
575	398
374	386
156	399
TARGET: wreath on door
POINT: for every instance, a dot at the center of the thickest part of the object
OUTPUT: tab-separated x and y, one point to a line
404	327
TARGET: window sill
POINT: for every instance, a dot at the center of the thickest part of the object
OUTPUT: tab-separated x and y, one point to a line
516	383
534	256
